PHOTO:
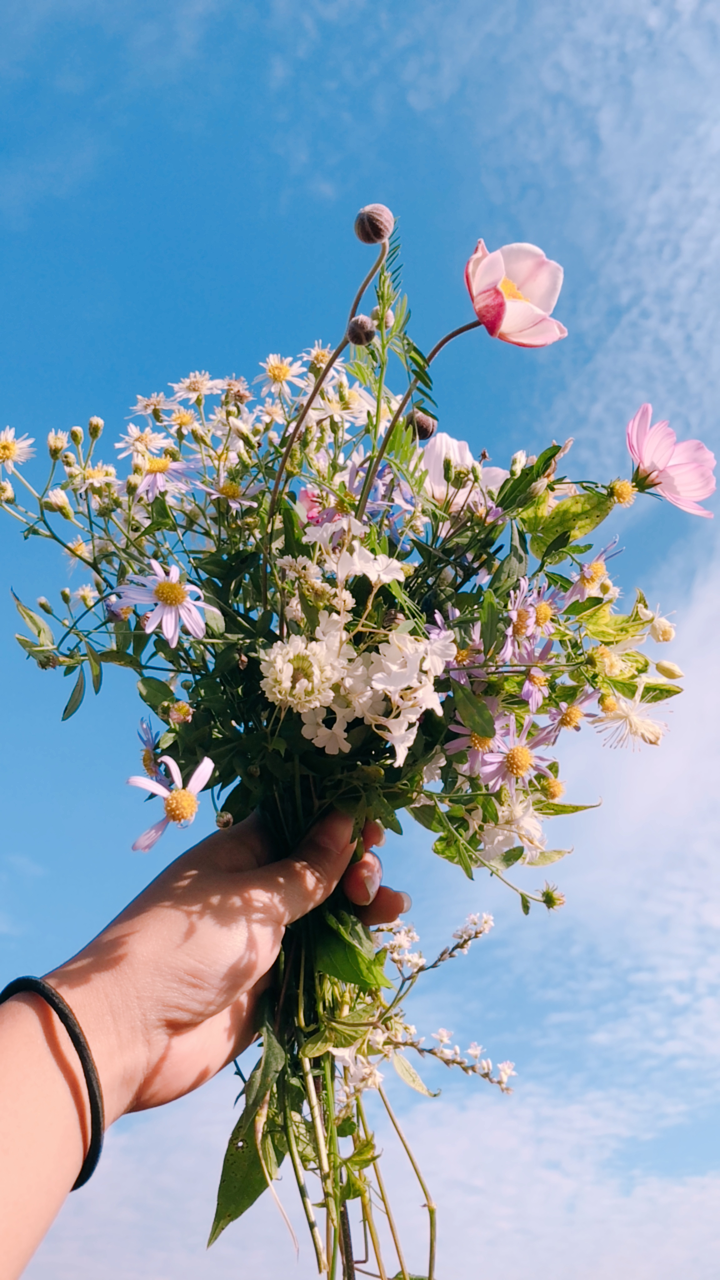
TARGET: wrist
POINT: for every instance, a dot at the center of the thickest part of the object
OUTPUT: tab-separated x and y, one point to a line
109	1018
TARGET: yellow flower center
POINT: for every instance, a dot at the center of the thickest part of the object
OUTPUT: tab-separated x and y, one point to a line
229	489
96	475
8	450
183	418
623	492
520	625
596	571
480	744
181	805
553	788
172	593
462	655
608	704
543	613
302	669
537	679
571	717
519	761
158	466
148	762
510	290
278	370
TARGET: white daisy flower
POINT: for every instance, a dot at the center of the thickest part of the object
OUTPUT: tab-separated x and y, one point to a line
198	385
280	373
14	451
139	442
181	803
172	603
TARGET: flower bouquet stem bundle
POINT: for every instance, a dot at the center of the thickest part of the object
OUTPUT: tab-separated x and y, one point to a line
328	604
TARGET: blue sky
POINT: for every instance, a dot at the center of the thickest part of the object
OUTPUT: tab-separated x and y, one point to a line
177	191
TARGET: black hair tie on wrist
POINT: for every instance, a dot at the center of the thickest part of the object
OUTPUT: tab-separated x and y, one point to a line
82	1048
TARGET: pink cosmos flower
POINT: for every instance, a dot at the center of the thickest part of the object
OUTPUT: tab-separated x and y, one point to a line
172	601
181	803
682	473
513	292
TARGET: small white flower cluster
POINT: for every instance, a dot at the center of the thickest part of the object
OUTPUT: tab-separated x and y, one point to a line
402	938
474	927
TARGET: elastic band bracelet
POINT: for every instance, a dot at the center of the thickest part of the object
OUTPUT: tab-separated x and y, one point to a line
81	1047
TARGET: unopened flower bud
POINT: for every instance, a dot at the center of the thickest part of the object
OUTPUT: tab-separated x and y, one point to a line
254	770
538	487
623	492
553	788
242	660
57	500
47	661
76	435
392	618
44	604
180	713
132	484
65	595
223	819
670	670
607	704
662	630
69	460
374	223
361	331
7	493
95	426
376	315
422	424
56	442
517	462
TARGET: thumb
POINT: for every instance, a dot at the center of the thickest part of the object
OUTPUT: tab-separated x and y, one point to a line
297	884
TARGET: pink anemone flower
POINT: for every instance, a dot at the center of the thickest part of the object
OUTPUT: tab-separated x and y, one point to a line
682	473
513	292
172	601
181	803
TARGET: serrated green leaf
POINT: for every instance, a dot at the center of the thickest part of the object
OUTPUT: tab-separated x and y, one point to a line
409	1075
76	696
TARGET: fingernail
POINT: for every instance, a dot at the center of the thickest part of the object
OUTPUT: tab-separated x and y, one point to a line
371	879
380	841
407	903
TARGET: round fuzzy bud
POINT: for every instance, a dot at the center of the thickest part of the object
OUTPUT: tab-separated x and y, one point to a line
7	493
95	426
392	618
76	435
132	484
45	604
223	819
69	460
374	223
376	315
65	595
422	424
361	331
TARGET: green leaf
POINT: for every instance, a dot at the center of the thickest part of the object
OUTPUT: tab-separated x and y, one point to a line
318	1044
344	950
552	809
550	855
611	627
363	1155
472	711
154	692
489	618
576	516
36	624
242	1180
426	815
76	696
264	1074
409	1075
452	850
659	692
118	658
95	667
525	904
512	856
214	621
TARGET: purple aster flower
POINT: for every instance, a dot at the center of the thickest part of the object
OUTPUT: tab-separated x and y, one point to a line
181	803
521	622
162	475
172	601
513	760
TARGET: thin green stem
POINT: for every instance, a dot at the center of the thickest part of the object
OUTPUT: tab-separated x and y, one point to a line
384	1197
325	1174
371	273
302	1188
429	1202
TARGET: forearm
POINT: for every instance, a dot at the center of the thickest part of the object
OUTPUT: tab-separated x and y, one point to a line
44	1126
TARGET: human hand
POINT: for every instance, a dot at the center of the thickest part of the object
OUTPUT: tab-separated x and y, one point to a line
166	994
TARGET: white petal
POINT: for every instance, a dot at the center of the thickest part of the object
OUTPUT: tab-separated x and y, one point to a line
149	784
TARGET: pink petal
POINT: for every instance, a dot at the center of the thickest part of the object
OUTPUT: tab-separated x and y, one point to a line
145	842
157	570
637	429
490	310
175	773
149	784
193	620
171	624
201	775
538	277
693	451
686	505
687	481
659	447
544	332
483	270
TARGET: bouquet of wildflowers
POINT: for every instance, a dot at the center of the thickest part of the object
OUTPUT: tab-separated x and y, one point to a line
329	603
